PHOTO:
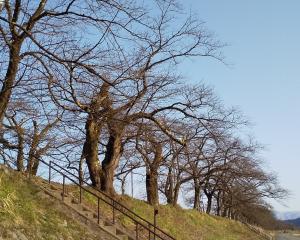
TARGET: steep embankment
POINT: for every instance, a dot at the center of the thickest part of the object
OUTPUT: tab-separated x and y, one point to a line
27	213
190	224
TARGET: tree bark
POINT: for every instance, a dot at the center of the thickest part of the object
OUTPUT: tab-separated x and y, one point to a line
111	162
209	203
9	79
169	187
152	174
197	195
176	193
90	150
20	156
218	199
152	186
36	164
171	191
123	183
33	148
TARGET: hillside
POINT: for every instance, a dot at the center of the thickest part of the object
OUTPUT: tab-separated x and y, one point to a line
191	224
26	213
294	222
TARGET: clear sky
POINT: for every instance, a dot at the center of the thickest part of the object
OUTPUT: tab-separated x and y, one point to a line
263	79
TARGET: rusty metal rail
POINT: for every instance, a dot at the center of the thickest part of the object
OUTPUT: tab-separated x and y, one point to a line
144	229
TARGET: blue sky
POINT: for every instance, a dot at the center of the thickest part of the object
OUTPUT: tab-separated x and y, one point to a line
262	79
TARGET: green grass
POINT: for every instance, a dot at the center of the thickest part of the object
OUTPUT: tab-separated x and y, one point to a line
191	224
181	223
24	209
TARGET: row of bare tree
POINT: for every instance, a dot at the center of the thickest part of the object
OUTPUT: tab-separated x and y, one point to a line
96	85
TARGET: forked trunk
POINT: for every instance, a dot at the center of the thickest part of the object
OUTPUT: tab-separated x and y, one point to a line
111	162
152	174
171	191
169	187
90	150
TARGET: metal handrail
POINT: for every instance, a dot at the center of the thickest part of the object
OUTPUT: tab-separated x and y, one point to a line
140	221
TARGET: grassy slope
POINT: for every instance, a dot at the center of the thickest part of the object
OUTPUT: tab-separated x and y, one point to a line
181	223
191	224
23	209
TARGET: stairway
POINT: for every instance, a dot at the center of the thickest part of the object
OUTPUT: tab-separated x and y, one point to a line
55	191
141	229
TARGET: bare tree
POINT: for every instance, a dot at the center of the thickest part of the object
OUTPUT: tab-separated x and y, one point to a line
120	85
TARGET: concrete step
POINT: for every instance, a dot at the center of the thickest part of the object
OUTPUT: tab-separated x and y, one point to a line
111	229
122	237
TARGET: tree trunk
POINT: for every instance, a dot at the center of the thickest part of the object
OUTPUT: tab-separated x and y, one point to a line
111	162
32	152
34	160
20	156
176	193
197	195
209	203
218	198
123	184
224	212
36	164
90	150
169	187
172	192
152	174
9	79
152	186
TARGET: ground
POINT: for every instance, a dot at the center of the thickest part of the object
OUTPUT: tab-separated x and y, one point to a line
26	213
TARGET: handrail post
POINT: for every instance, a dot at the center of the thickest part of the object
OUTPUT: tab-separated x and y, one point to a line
149	226
63	192
98	210
155	220
49	178
114	212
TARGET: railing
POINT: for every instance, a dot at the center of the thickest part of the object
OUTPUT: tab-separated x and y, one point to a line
259	231
143	228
